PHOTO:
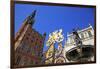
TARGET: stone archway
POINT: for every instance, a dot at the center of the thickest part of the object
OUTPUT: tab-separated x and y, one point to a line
80	53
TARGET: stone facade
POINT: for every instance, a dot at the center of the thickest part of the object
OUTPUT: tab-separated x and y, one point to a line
87	37
28	44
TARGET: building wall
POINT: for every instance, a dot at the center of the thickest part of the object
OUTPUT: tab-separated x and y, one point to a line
85	38
28	46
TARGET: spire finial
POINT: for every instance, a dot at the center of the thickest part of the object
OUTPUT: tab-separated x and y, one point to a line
31	17
33	14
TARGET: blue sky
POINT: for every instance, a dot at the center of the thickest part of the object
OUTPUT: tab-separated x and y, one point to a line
51	18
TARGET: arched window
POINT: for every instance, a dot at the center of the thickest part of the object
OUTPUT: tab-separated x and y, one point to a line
82	36
89	33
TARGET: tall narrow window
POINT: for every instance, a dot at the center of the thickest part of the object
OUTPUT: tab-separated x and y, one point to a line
85	34
28	49
18	60
82	36
89	33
